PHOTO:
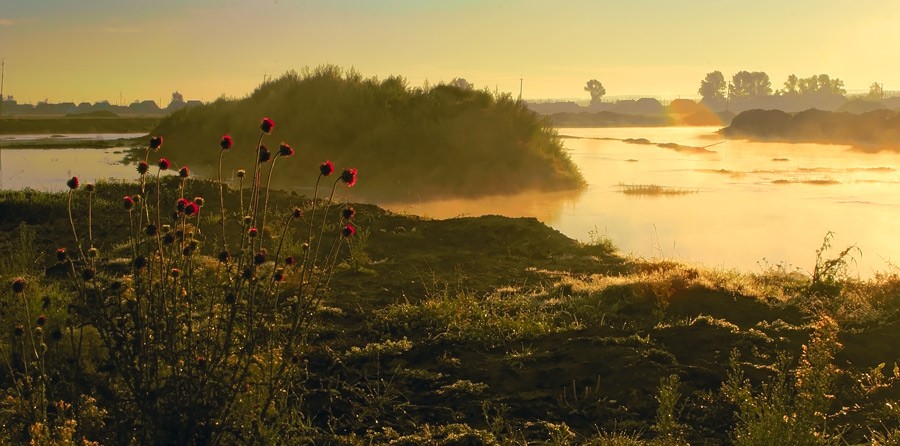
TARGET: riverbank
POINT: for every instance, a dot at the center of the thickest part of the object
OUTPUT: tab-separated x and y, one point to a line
495	330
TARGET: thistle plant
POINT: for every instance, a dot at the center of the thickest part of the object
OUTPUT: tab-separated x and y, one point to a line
188	328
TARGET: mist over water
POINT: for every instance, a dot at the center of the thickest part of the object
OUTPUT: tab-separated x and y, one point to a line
734	204
747	203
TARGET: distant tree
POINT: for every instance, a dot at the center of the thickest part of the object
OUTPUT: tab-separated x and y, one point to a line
713	87
595	88
177	98
461	83
790	85
745	85
821	84
876	91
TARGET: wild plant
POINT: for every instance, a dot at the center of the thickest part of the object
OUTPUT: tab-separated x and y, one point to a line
198	348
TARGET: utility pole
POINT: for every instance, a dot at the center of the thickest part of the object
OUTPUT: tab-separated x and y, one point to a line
520	87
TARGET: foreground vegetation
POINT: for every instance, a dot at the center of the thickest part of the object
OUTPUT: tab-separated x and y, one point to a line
485	330
417	143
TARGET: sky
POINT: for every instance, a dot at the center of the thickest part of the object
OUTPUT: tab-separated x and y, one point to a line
129	50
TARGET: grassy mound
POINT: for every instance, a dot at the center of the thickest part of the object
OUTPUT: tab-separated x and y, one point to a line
407	143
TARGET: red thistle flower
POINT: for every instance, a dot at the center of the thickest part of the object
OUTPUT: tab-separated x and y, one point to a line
128	203
349	176
201	361
226	142
156	142
150	230
18	285
191	209
199	201
140	262
264	154
348	231
61	254
19	330
181	204
267	125
175	273
348	212
142	167
285	150
184	172
163	164
252	232
89	187
279	275
72	183
41	320
289	260
224	256
326	168
297	213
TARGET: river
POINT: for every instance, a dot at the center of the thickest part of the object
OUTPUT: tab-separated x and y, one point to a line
734	204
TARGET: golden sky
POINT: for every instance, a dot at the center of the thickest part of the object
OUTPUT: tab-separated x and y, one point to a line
127	50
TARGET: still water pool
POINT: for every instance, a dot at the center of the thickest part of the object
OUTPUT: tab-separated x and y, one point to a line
734	204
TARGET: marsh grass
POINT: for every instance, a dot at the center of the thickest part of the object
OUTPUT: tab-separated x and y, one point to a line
653	190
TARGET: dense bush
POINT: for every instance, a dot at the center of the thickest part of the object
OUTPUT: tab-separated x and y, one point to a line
415	143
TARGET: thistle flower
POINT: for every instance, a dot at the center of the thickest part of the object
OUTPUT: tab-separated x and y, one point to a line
140	262
169	239
128	203
142	167
93	253
349	176
260	256
348	212
89	187
241	173
348	231
156	142
267	125
88	274
199	201
56	335
61	254
201	361
224	256
279	275
226	142
289	260
18	285
116	286
247	274
191	209
175	273
285	150
252	232
19	330
184	172
264	154
163	164
247	219
297	213
72	183
229	298
181	204
41	320
326	168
